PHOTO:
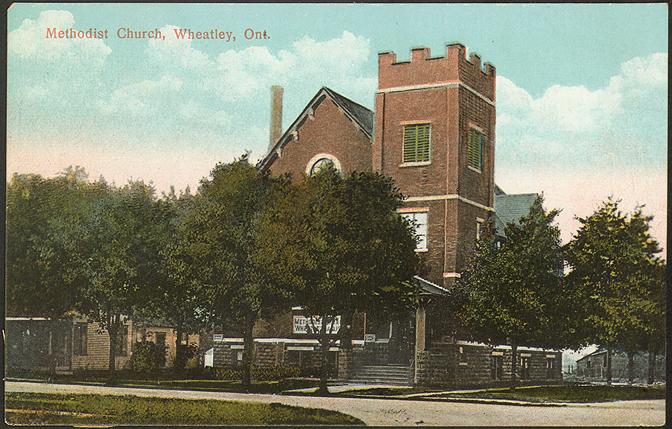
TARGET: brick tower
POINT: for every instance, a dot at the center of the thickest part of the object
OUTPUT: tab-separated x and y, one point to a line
435	135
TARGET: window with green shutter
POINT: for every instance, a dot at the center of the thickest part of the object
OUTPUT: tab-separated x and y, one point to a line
475	145
417	142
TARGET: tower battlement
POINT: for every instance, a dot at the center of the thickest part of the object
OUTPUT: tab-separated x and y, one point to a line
422	69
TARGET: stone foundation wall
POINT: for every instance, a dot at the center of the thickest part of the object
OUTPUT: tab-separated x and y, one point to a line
288	352
464	364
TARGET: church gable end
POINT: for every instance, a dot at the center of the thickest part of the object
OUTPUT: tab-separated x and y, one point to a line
331	127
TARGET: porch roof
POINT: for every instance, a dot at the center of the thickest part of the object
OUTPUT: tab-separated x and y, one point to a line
429	288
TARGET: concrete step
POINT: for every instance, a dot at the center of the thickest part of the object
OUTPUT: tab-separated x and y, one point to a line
380	375
380	381
361	377
384	370
383	374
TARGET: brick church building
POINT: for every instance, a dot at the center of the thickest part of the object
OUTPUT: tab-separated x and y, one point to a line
433	132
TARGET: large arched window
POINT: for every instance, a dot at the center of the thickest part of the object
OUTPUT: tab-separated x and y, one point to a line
320	161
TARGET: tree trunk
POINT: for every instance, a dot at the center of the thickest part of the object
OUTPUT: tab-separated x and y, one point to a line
631	367
514	364
113	330
177	365
609	366
651	376
324	349
248	351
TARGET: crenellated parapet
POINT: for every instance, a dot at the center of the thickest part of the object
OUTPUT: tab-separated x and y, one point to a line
423	70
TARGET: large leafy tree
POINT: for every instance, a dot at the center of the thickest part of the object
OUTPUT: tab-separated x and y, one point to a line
38	212
113	250
512	290
175	295
336	245
218	238
614	263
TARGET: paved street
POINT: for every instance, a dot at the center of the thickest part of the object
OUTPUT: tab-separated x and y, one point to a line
401	412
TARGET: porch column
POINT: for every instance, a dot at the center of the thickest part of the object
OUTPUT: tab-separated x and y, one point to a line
420	322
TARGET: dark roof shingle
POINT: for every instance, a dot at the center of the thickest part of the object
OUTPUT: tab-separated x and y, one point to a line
509	208
361	114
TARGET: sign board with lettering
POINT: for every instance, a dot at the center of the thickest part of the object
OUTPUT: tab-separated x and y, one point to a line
312	325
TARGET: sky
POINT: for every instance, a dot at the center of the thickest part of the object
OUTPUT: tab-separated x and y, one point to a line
581	89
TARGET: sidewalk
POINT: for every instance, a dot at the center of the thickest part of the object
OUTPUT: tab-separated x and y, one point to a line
393	411
347	388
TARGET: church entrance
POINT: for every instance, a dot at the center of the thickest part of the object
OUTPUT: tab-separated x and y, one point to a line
402	342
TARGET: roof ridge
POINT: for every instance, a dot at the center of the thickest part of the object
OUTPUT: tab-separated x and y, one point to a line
341	101
346	98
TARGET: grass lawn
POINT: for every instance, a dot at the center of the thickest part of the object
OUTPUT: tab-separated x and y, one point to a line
40	409
190	384
569	393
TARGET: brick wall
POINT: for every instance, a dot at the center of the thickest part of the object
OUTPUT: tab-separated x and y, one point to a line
98	343
98	349
422	69
328	131
439	91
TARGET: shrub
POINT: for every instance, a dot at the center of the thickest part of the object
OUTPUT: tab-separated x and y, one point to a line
147	357
277	372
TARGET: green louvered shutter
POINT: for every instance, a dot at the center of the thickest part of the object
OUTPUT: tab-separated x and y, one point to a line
416	142
423	143
410	137
475	143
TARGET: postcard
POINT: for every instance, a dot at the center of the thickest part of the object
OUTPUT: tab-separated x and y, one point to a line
282	214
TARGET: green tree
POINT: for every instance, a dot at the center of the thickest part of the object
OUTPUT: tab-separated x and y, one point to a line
113	250
176	295
336	245
654	338
614	263
512	290
38	209
219	240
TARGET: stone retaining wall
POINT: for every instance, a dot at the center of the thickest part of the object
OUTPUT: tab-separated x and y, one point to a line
463	364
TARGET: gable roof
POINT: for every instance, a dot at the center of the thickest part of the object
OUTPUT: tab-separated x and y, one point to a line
509	208
359	114
600	350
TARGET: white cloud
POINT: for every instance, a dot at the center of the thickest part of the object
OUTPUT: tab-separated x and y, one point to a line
591	122
141	98
172	50
237	74
29	41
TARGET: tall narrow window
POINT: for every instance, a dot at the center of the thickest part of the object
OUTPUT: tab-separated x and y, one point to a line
420	221
475	144
417	143
79	340
479	228
550	364
524	368
496	367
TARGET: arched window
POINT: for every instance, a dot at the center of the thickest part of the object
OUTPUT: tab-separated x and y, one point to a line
320	161
320	164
